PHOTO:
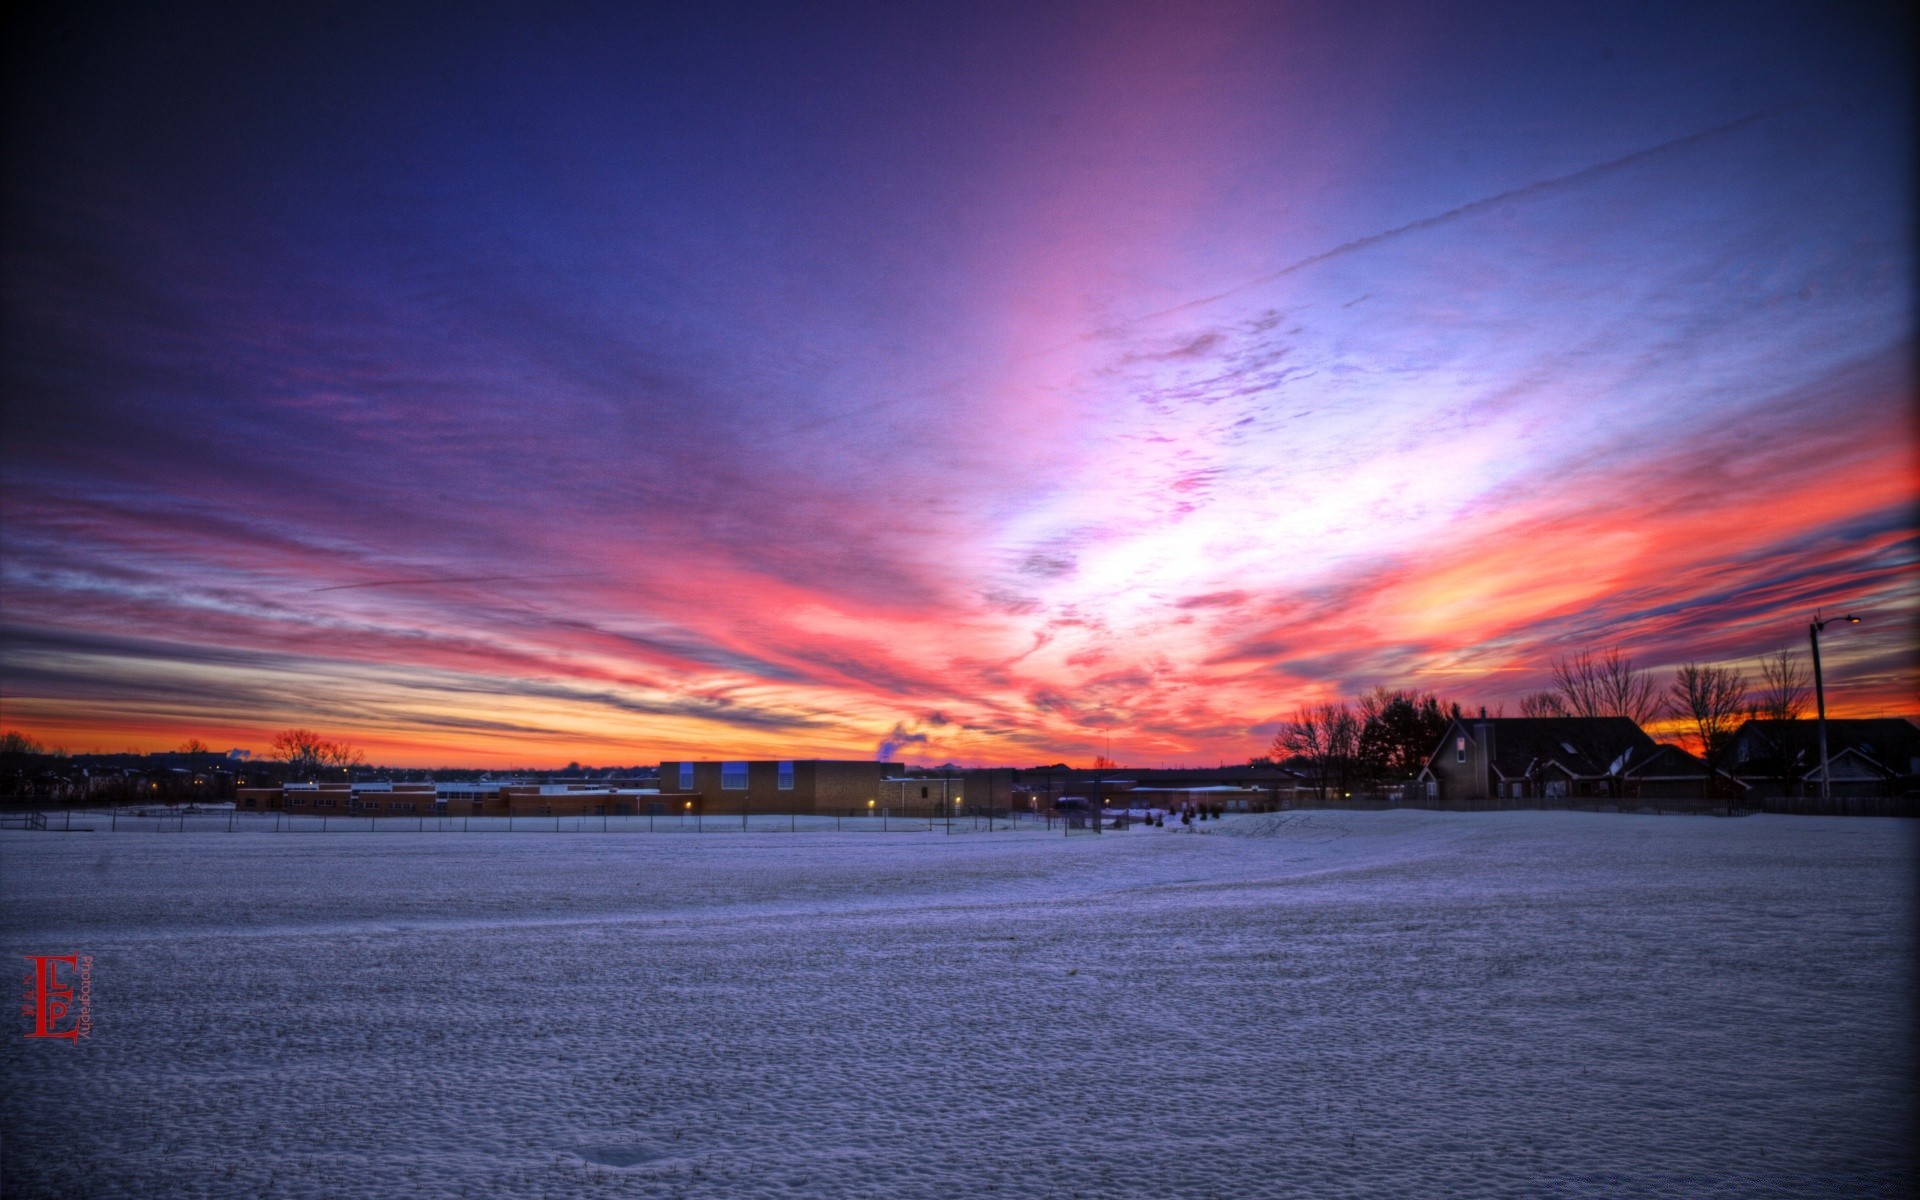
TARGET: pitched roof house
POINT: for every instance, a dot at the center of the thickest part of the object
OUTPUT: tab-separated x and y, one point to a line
1671	773
1878	756
1524	757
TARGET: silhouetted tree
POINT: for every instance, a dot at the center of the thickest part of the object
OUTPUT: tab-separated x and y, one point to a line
307	753
1785	686
1606	685
15	742
343	756
1398	731
1543	704
1710	699
1327	738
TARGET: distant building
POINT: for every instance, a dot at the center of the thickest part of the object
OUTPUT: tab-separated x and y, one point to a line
929	794
489	799
1209	797
801	786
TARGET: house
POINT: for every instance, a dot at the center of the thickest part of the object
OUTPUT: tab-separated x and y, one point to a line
1671	773
1878	756
1534	757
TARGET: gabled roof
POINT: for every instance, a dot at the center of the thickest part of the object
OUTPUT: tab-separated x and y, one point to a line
1889	741
1671	762
1583	746
1852	763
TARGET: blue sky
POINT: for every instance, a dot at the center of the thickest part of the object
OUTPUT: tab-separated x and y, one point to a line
610	385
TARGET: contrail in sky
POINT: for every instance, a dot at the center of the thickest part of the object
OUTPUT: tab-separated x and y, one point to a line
1583	175
341	587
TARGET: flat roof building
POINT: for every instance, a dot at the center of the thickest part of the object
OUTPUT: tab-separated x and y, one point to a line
803	786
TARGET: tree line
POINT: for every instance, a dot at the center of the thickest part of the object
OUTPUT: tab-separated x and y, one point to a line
1387	735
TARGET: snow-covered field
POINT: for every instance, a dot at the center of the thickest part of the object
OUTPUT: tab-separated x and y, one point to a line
1315	1004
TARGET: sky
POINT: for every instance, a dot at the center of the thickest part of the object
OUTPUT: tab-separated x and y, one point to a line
986	383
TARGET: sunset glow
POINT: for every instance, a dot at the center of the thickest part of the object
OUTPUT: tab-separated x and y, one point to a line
975	387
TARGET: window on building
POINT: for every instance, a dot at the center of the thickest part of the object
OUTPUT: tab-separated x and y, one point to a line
786	776
686	776
733	776
923	793
1460	749
1433	788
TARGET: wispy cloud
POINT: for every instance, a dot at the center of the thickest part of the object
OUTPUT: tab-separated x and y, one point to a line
1157	376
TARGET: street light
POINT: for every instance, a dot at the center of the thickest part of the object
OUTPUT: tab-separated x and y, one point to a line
1820	693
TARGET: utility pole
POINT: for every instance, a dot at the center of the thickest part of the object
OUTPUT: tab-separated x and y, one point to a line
1820	694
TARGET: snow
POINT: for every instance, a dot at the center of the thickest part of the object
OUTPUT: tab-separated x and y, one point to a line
1301	1004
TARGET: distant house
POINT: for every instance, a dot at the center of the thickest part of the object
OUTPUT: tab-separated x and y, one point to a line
1535	757
1878	756
1671	773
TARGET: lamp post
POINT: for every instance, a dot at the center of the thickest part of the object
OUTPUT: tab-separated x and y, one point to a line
1820	693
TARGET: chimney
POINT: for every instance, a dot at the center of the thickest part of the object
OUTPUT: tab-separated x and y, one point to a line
1483	733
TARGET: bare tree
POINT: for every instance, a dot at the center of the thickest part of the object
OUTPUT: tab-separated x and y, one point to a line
1543	704
307	753
1327	737
1302	737
1785	685
1343	729
301	749
1710	699
194	745
1606	685
344	756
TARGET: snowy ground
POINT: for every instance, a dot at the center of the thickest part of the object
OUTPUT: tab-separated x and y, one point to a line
1313	1004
